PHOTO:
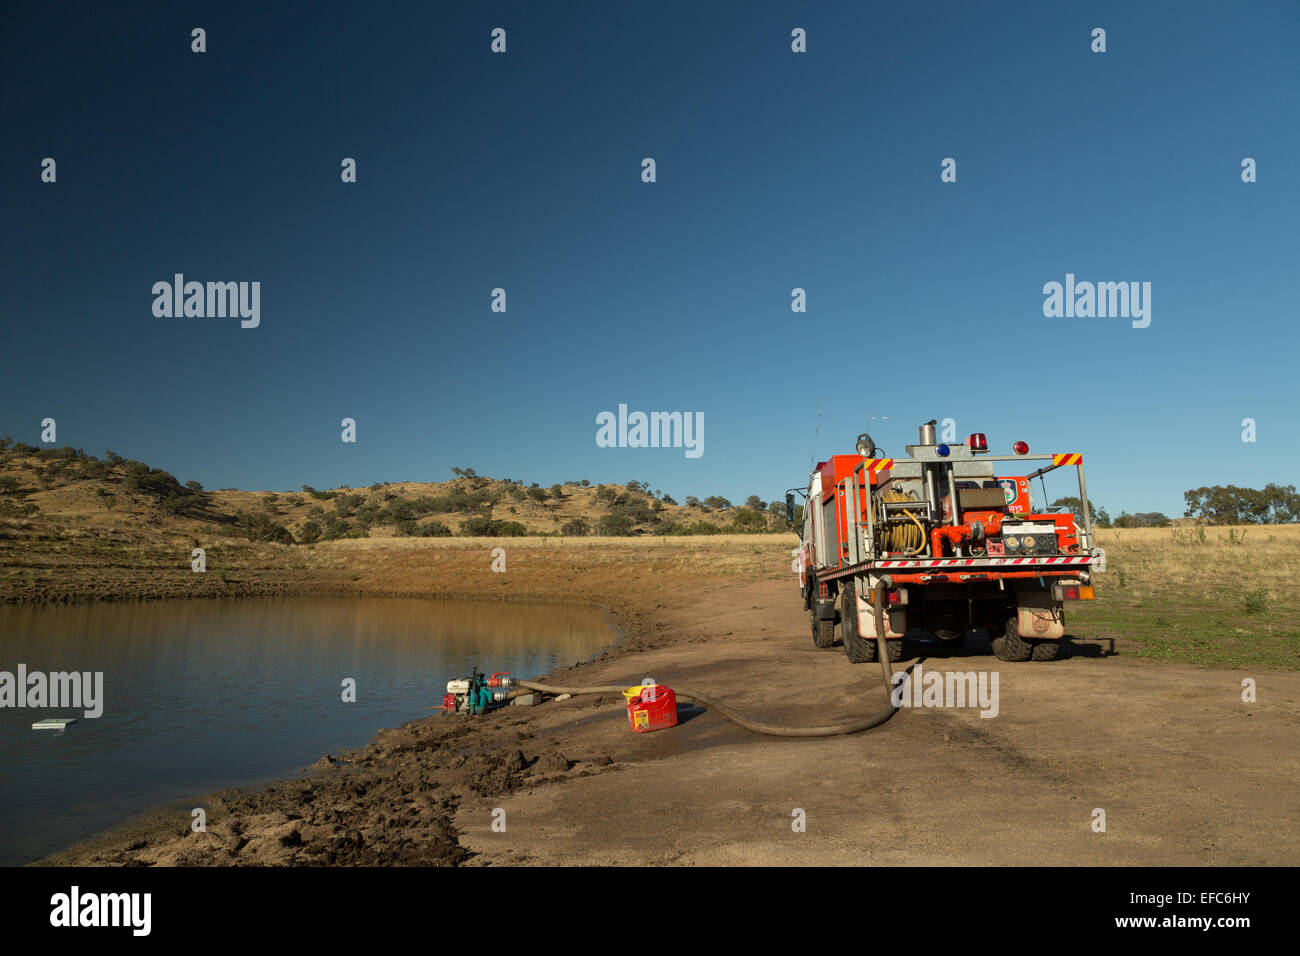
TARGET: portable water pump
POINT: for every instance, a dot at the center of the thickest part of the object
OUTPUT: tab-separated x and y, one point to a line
478	693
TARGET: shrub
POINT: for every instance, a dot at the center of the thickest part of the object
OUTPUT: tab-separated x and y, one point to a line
614	525
347	505
746	521
638	511
1256	602
476	527
182	504
575	528
482	526
399	510
335	527
260	527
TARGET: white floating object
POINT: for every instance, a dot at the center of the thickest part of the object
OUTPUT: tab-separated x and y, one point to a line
53	723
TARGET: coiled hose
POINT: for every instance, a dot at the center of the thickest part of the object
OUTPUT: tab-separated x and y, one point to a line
908	538
773	730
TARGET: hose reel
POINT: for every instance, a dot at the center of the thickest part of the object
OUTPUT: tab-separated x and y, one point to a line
907	537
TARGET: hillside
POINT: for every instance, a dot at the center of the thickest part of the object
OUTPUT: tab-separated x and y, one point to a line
63	493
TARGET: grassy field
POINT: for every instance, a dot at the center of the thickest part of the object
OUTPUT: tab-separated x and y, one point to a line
1218	596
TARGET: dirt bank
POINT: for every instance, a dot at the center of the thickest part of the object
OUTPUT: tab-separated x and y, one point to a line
1185	772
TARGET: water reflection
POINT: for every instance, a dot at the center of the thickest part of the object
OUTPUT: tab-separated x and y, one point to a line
204	694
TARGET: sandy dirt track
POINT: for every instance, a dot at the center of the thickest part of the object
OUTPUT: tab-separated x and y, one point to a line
1186	773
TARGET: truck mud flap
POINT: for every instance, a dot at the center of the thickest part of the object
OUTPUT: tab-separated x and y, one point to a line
1041	623
895	619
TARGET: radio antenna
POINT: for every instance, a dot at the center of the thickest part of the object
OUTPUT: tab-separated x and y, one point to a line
813	460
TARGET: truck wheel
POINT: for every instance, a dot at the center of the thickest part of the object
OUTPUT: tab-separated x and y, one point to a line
1046	650
1009	645
949	635
823	632
859	649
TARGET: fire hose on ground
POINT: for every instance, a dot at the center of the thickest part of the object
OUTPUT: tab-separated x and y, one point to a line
774	730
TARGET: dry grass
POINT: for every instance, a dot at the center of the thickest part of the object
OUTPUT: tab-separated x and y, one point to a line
724	542
644	562
587	569
1210	595
1197	559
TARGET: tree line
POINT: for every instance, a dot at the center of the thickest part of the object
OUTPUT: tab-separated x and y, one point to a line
1210	504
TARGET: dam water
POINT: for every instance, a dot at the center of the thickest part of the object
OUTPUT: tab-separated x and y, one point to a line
199	695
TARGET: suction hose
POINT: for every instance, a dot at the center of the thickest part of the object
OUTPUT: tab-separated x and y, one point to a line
773	730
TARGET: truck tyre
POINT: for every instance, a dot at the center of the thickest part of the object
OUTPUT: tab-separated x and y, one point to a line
948	635
823	632
860	650
1009	645
1046	650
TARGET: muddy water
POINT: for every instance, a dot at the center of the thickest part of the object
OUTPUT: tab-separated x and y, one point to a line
201	695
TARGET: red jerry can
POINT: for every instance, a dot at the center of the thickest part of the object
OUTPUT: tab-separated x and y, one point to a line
653	709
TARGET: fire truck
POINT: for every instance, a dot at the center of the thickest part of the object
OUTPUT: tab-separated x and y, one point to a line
946	540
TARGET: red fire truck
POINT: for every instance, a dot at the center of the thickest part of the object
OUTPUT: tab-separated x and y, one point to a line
950	540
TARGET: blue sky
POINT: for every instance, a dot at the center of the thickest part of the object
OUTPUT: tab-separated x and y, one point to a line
775	170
